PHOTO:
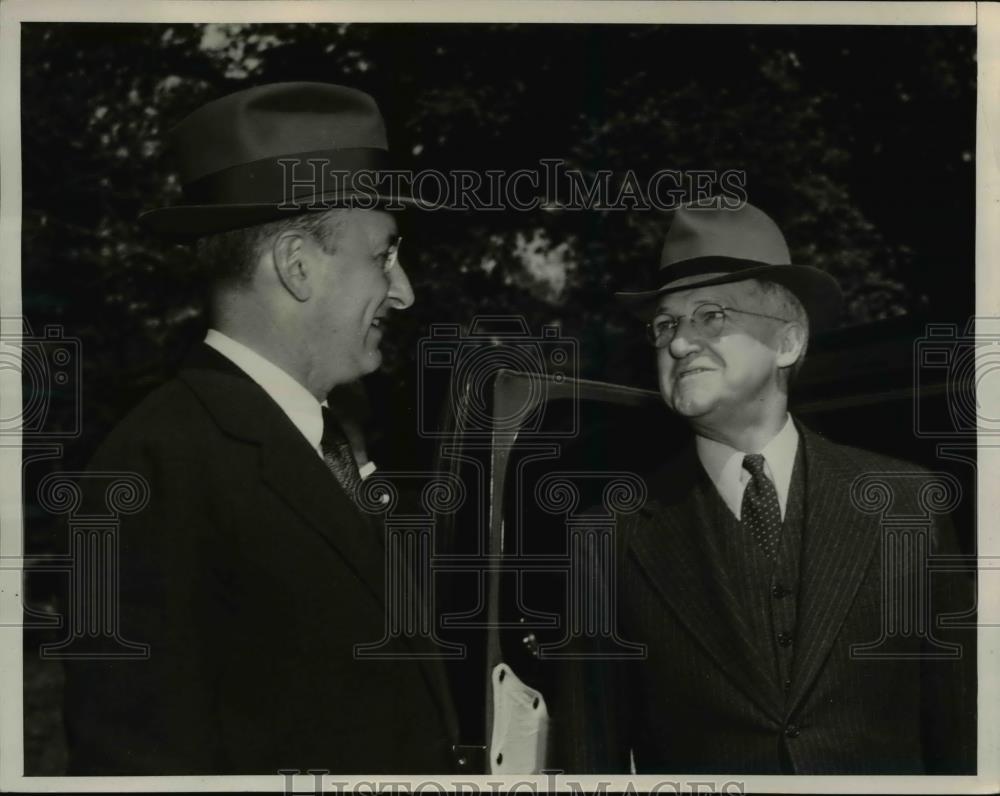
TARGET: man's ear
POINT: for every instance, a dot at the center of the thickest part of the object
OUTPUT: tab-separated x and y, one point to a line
290	264
791	344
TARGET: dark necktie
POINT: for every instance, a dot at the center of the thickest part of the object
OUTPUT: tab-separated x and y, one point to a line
760	512
338	456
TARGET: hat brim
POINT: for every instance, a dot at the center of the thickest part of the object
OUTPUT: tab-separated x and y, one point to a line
817	290
184	223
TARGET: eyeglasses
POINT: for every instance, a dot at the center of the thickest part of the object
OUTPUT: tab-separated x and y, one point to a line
392	256
708	320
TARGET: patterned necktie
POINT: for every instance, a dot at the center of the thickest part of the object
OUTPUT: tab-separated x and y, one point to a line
760	512
338	456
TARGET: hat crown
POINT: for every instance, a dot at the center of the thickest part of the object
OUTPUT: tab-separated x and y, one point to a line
275	120
707	245
746	233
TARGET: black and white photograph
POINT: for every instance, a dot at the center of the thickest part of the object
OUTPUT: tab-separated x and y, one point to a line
538	396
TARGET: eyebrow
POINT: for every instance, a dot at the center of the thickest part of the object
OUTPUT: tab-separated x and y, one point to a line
698	303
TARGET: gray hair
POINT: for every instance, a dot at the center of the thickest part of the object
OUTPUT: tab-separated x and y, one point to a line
230	257
783	302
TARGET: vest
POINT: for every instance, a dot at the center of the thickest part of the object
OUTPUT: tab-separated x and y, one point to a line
768	591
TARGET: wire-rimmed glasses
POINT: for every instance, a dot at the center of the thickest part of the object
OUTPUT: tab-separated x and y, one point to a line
708	321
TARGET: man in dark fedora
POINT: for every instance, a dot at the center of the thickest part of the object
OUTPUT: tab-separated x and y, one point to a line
751	572
253	572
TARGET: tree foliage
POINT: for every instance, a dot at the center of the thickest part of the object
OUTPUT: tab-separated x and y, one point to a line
858	141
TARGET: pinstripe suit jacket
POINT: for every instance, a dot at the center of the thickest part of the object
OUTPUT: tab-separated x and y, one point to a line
704	700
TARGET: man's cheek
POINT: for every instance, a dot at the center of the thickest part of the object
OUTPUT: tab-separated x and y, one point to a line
667	387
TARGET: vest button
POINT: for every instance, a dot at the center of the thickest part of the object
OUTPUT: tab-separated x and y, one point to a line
778	591
791	731
785	639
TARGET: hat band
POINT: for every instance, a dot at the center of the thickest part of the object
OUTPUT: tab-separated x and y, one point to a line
286	179
710	265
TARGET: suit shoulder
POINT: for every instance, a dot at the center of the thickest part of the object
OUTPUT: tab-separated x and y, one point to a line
169	416
861	458
907	481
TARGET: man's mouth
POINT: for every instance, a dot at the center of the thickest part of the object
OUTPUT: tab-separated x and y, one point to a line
692	372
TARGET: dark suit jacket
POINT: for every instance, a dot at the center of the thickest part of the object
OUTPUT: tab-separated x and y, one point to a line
705	701
251	575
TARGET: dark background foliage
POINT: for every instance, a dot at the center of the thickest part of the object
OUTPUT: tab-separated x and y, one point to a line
858	141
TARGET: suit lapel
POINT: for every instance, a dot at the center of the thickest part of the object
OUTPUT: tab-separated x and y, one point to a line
288	464
837	545
300	477
294	471
669	542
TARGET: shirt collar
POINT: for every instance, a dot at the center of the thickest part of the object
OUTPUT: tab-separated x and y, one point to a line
295	401
724	465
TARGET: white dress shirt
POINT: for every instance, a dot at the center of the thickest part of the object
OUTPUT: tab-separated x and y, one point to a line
724	466
301	407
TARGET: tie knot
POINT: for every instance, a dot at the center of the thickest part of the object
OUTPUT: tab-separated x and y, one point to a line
338	455
754	464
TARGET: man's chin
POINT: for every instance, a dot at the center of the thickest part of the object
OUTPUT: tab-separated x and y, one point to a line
692	411
692	404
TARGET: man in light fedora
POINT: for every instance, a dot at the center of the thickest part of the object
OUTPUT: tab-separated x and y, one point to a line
253	572
750	573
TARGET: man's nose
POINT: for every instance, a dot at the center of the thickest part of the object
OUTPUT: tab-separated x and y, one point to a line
400	290
686	339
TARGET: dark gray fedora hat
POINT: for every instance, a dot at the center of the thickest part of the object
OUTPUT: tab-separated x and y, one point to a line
268	152
708	244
